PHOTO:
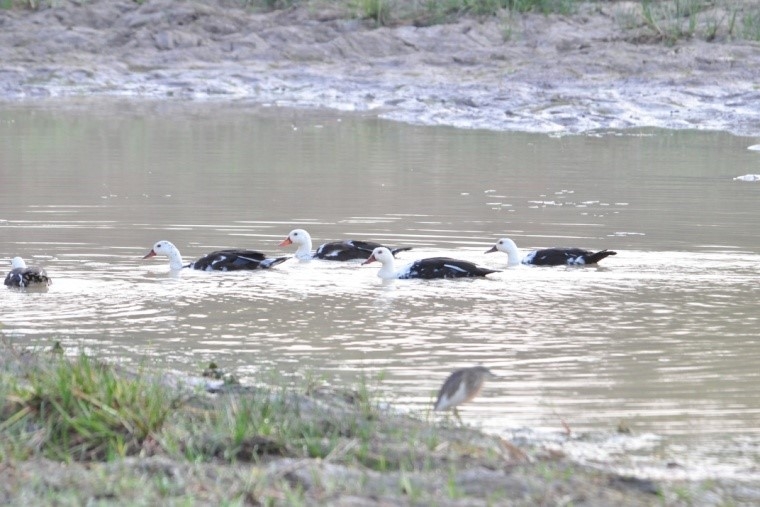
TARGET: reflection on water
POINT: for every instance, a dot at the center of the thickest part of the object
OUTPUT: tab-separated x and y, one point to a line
662	337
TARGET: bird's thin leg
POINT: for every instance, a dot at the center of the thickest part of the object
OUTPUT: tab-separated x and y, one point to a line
456	413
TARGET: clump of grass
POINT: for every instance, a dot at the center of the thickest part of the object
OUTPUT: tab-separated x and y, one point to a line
26	4
751	25
82	410
339	425
563	7
430	12
378	11
257	423
674	20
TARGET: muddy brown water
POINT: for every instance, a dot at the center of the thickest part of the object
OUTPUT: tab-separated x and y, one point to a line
662	338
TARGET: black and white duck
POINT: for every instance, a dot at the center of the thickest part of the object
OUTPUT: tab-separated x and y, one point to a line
558	256
432	267
221	260
347	250
22	275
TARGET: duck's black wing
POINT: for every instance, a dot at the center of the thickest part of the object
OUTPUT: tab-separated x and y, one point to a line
563	256
26	277
344	250
443	267
349	250
234	260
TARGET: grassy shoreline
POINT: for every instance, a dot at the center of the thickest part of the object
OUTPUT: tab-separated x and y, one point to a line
648	21
76	430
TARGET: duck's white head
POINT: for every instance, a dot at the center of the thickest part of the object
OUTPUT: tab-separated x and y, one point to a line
381	255
508	247
302	240
18	262
384	257
166	248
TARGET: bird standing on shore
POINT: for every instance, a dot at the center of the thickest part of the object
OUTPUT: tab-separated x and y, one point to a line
460	387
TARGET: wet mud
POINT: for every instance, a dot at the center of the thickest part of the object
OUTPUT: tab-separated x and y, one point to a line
599	68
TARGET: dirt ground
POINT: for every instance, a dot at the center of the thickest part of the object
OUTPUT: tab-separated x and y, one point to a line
602	67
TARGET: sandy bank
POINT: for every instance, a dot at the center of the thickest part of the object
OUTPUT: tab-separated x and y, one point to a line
599	68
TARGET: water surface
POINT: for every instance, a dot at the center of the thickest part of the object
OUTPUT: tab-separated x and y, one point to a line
661	338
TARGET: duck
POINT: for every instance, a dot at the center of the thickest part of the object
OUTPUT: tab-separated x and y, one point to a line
461	386
220	260
431	267
347	250
22	275
558	256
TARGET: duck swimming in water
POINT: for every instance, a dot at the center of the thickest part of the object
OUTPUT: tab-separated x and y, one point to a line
350	249
432	267
22	275
548	256
221	260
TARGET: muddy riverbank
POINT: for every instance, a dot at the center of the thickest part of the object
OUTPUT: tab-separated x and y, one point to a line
76	431
601	67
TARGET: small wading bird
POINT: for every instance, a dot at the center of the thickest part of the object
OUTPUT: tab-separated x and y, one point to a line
461	386
22	275
558	256
221	260
432	267
347	250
